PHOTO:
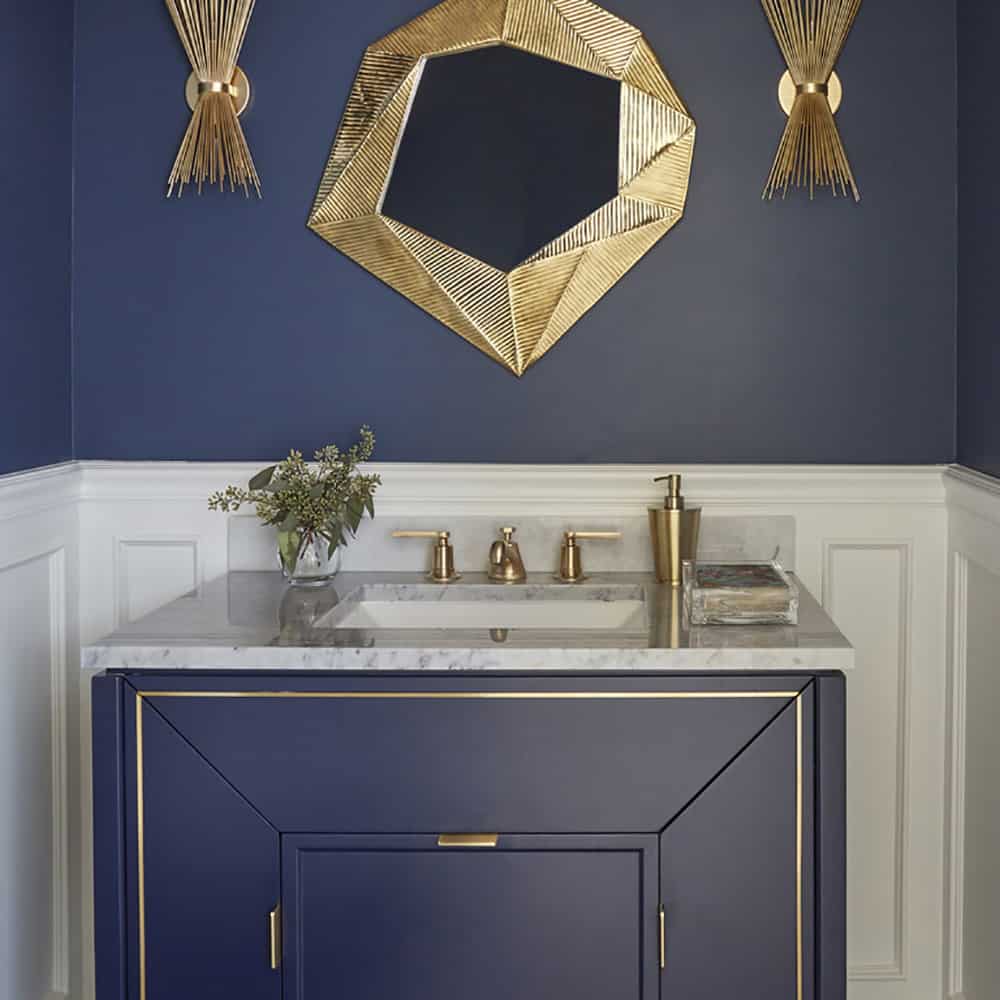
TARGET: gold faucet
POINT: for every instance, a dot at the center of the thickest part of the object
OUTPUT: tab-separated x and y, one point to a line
570	558
444	555
506	565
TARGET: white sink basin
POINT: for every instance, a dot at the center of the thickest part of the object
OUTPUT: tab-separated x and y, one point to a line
479	607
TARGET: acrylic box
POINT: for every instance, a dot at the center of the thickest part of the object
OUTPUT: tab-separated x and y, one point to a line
739	593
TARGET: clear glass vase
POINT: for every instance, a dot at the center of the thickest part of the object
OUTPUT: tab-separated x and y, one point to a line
305	558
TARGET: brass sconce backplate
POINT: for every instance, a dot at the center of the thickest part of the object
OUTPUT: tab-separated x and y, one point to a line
787	91
238	89
512	316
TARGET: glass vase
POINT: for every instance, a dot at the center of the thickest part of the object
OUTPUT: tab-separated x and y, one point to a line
305	558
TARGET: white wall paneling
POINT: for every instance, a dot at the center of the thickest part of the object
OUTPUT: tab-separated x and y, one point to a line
876	615
39	669
870	541
972	890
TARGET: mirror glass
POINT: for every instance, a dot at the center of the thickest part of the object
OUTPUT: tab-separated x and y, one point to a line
503	152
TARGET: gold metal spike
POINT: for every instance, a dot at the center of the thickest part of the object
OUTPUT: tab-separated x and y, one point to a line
513	317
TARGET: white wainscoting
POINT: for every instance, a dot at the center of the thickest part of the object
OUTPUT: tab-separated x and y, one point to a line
973	828
870	542
39	674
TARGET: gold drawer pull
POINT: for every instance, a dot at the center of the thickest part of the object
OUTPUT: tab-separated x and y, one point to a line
468	839
663	937
274	935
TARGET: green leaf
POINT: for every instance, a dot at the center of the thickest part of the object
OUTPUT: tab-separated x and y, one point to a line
370	505
288	545
263	478
356	509
290	523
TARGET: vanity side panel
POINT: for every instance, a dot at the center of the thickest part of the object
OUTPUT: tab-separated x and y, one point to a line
109	838
831	837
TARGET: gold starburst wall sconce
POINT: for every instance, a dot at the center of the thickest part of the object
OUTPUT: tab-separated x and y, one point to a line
214	149
811	35
513	314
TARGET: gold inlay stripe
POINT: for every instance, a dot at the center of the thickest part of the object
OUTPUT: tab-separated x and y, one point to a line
798	846
140	832
500	695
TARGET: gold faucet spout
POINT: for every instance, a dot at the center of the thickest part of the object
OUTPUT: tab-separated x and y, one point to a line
506	564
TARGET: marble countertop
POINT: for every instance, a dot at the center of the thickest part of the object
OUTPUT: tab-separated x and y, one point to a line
253	621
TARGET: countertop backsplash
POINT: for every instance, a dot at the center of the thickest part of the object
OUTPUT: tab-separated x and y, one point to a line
252	545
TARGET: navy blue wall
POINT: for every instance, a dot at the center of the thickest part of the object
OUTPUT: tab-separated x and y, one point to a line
36	90
219	328
979	242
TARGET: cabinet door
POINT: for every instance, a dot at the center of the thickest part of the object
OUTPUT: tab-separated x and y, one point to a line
736	874
535	917
205	866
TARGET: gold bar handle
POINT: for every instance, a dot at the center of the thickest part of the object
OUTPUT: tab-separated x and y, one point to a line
468	839
663	937
274	936
570	555
443	559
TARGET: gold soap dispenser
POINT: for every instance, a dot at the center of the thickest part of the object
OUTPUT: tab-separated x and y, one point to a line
673	529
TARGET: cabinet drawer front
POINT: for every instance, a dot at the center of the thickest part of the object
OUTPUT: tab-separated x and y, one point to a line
532	918
524	755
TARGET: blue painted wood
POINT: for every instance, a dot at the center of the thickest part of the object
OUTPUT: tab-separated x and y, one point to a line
728	880
209	880
535	918
726	854
109	837
831	838
559	765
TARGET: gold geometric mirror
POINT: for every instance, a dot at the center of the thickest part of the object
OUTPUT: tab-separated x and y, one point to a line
515	304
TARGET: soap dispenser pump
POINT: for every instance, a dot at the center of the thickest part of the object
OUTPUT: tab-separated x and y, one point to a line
673	529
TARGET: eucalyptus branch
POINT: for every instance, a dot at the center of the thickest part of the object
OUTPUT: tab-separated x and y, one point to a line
328	497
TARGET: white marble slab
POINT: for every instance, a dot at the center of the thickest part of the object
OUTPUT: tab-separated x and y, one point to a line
252	621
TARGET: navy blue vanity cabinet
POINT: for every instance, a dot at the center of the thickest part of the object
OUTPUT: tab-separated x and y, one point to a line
442	837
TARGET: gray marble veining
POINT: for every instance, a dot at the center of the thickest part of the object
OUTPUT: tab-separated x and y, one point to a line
252	621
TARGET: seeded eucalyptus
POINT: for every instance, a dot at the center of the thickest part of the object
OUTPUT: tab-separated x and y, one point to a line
327	499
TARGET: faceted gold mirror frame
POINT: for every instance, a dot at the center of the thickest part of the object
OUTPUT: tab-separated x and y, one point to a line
512	316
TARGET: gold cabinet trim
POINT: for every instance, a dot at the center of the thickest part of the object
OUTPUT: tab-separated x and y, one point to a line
140	696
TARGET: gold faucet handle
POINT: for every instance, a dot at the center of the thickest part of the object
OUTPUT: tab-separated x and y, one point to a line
508	533
443	570
571	559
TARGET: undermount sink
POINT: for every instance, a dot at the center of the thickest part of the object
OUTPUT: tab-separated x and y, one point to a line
476	606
